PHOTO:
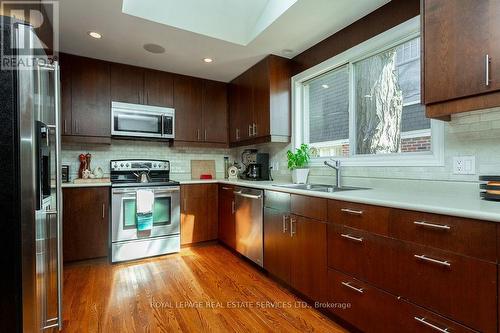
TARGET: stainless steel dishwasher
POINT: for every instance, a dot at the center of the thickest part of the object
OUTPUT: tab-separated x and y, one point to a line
249	223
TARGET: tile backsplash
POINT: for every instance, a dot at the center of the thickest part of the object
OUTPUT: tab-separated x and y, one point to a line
180	166
473	133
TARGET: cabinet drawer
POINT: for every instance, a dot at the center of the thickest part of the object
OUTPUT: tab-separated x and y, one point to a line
469	237
315	208
359	216
277	200
373	310
361	254
455	286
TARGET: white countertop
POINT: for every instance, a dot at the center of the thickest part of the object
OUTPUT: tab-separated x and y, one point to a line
454	203
96	184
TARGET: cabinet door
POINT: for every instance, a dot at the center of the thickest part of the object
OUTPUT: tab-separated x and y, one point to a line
457	38
234	112
127	84
309	257
66	120
159	88
90	97
187	101
261	92
215	112
199	213
277	243
227	232
85	223
241	107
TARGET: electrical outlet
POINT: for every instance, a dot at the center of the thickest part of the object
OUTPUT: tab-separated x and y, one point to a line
276	166
464	165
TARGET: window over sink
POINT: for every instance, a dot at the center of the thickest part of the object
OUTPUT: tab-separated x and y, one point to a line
364	105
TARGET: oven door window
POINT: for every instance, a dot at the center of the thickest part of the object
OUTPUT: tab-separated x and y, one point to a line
136	122
162	212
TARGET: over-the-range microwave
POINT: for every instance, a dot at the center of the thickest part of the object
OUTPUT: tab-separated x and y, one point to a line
137	120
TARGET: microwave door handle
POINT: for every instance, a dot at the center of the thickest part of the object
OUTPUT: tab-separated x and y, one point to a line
162	125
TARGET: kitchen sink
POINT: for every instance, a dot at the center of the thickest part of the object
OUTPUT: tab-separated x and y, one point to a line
320	187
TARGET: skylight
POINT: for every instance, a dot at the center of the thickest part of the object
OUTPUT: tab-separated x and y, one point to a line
235	21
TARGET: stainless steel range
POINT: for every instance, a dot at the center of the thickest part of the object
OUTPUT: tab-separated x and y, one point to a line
136	184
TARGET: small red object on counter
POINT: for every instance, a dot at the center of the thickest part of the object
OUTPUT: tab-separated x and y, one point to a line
205	176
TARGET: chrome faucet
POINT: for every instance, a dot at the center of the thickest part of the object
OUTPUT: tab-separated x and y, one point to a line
335	165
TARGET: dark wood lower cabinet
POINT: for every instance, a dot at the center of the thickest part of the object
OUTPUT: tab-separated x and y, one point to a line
199	213
277	244
227	230
373	310
453	285
308	257
85	223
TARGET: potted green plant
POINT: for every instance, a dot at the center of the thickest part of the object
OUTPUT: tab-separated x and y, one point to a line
297	164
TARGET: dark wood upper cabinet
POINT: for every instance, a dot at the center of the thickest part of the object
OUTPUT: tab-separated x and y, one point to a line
260	103
85	223
127	84
199	213
461	56
214	108
66	119
188	108
158	88
90	98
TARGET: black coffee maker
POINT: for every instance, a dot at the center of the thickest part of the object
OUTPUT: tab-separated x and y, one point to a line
256	165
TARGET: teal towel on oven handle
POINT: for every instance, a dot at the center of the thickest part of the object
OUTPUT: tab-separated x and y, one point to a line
144	222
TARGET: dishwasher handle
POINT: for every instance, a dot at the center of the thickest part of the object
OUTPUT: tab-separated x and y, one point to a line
249	196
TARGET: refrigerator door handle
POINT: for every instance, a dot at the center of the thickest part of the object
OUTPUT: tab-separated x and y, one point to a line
58	211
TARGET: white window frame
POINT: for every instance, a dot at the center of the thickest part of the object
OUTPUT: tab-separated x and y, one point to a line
384	41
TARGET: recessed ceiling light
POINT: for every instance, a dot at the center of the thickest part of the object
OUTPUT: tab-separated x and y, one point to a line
94	34
208	60
325	86
154	48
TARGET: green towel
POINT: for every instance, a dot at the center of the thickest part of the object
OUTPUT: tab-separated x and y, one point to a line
144	222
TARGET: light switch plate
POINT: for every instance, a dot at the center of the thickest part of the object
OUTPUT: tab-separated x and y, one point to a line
464	165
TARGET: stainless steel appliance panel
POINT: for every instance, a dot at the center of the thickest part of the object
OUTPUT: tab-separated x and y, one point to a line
121	231
249	223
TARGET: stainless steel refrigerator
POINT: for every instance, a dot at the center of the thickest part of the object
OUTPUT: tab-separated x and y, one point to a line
34	232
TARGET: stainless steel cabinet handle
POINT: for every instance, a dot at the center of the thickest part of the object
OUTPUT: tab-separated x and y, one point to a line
356	239
432	225
292	222
233	210
254	129
487	70
350	286
249	130
103	210
198	134
433	261
65	127
237	134
352	212
431	325
205	135
285	227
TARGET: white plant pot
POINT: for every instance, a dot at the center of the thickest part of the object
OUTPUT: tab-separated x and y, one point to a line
299	176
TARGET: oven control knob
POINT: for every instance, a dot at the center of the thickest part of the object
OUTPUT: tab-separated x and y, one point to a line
127	165
121	165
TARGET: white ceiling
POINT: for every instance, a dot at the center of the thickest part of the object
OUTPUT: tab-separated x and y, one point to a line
304	24
235	21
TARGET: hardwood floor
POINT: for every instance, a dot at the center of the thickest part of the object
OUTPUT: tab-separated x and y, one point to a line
202	289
